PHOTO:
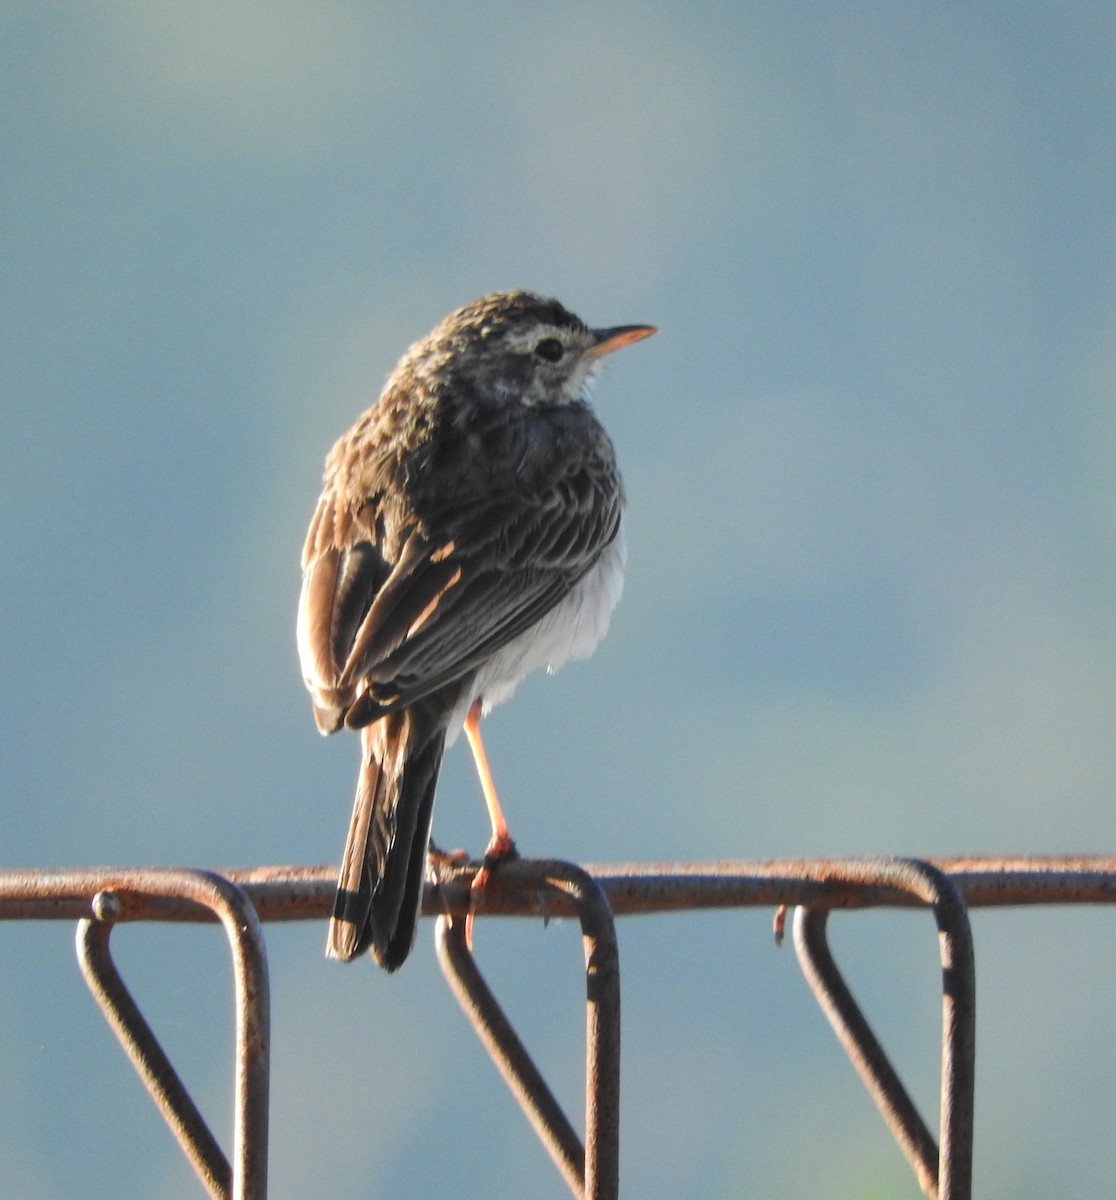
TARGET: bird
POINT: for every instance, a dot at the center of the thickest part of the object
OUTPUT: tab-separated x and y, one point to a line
469	532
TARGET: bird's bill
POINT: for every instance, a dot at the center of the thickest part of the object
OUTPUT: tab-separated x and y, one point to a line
607	340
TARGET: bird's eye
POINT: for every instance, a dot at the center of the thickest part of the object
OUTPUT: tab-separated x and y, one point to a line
550	349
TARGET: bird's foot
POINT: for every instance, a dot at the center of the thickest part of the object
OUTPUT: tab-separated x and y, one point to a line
500	849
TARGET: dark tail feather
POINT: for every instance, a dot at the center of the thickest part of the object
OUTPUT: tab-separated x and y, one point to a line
379	890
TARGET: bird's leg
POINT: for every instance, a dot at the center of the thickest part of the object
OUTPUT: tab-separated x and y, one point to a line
500	845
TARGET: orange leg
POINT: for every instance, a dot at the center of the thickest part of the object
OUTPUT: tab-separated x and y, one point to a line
501	845
501	839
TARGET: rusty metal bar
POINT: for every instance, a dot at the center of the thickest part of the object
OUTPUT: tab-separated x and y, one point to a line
299	893
150	1060
241	898
864	1050
296	893
947	1174
602	1028
128	895
592	1171
508	1053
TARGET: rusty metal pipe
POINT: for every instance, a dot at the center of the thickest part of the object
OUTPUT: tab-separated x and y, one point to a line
131	893
946	1172
509	1054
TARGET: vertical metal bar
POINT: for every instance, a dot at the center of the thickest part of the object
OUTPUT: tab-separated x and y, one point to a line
602	1027
958	1039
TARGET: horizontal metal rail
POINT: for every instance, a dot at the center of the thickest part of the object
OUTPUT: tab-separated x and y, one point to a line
632	889
242	899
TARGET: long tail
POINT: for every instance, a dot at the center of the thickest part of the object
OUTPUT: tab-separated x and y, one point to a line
379	890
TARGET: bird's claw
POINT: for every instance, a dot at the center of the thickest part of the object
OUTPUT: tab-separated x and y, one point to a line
500	849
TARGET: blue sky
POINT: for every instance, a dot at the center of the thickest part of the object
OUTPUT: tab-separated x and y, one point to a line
872	573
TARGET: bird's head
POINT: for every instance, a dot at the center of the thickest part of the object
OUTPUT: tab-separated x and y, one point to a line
518	347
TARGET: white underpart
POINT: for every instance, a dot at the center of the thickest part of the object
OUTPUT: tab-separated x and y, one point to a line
570	631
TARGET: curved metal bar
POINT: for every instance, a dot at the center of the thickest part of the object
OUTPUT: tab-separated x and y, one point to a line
861	1045
234	910
950	1177
508	1053
149	1059
602	1026
592	1172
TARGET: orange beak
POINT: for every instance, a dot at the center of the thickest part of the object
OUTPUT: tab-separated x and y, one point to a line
607	340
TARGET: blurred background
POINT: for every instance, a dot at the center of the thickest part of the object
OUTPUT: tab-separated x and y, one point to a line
871	595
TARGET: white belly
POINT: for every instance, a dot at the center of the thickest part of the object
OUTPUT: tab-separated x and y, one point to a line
571	630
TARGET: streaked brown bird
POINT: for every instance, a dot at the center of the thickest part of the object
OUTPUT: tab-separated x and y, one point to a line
470	531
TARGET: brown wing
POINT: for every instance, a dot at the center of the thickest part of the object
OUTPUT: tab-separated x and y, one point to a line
395	607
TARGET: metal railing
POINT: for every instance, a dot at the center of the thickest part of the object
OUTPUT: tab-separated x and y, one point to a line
243	900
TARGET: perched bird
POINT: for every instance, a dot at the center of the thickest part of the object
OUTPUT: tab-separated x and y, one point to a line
469	532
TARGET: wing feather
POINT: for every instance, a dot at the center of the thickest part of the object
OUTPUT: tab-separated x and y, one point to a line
390	613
